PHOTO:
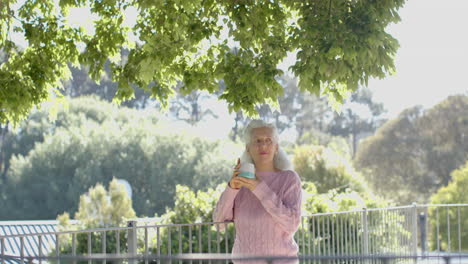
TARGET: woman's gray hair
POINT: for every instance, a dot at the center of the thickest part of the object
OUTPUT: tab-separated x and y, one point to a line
280	160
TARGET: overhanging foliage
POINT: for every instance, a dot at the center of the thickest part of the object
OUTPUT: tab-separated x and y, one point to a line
339	44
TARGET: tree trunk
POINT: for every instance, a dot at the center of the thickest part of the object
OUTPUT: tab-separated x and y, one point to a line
3	167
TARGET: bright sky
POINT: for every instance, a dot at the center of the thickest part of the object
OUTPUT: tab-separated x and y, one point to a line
432	60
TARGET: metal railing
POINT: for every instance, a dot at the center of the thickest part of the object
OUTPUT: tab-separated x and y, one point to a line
459	258
398	231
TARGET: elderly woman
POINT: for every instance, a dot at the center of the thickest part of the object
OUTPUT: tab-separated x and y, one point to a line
266	210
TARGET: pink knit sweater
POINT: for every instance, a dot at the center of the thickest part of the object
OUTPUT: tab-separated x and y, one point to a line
265	218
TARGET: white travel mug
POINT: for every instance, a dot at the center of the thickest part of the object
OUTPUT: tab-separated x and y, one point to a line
247	170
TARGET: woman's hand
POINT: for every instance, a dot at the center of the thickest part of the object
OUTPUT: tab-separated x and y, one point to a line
237	182
246	182
233	183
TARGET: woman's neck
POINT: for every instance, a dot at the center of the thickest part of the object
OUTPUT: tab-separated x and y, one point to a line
265	167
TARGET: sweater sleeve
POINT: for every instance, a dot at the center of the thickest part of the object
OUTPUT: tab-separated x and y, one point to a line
286	208
224	210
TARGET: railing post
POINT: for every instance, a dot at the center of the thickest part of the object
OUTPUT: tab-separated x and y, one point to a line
365	233
132	240
422	231
414	229
2	251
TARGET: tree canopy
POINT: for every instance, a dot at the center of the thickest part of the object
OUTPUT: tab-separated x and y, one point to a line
52	164
339	44
415	153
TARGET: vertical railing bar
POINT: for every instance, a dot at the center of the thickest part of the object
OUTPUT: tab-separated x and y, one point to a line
404	239
345	236
386	224
218	239
209	239
309	234
324	236
333	236
302	234
411	232
146	243
89	243
313	235
103	246
380	224
400	238
410	227
169	241
378	229
180	242
448	230
319	236
117	242
378	238
338	235
89	247
22	250
341	236
329	235
459	229
389	235
401	221
355	236
414	230
158	242
180	239
405	228
437	229
365	243
73	244
374	233
57	245
39	253
233	234
389	231
392	232
2	250
359	232
190	239
350	239
396	218
200	246
226	239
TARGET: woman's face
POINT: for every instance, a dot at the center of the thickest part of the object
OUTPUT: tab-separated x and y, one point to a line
262	147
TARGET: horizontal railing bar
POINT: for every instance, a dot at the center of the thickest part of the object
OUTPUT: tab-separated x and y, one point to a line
110	229
442	205
387	209
222	256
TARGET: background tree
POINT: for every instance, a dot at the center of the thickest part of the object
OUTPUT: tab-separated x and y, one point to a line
81	152
327	169
453	193
78	111
360	116
98	208
191	107
415	152
340	44
445	129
